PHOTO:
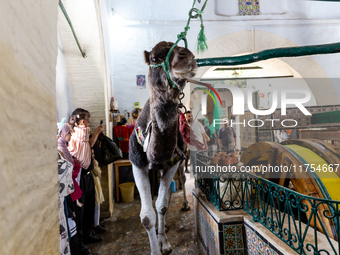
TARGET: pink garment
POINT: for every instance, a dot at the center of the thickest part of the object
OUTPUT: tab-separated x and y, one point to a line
79	145
186	132
62	144
77	191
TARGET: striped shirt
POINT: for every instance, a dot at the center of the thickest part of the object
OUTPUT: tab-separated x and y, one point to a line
79	145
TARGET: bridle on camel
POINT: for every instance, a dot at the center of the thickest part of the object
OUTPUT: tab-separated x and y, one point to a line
201	41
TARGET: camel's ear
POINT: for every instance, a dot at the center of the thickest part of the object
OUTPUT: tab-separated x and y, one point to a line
146	57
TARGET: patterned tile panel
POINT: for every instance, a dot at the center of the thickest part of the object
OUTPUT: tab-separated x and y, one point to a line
265	136
233	239
267	131
248	136
218	238
207	229
296	114
257	244
248	7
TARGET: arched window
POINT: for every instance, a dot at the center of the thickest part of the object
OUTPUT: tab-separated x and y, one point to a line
249	7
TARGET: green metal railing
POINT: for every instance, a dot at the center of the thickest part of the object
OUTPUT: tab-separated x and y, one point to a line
291	216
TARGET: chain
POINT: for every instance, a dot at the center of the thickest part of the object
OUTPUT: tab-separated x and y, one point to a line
180	104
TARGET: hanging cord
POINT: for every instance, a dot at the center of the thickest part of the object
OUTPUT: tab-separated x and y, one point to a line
72	29
201	40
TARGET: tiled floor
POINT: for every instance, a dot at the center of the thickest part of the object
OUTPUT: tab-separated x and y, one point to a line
126	235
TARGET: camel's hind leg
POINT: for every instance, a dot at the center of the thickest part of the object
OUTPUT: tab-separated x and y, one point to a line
182	178
147	213
162	205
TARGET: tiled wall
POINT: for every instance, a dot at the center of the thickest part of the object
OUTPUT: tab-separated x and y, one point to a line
233	238
218	238
257	244
303	121
265	133
206	229
248	136
238	237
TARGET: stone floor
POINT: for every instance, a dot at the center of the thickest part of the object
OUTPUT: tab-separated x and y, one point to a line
126	235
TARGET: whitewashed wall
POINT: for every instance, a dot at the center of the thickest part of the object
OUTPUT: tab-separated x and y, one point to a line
86	76
28	150
64	101
134	30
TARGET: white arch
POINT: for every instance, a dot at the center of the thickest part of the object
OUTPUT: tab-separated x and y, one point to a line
244	42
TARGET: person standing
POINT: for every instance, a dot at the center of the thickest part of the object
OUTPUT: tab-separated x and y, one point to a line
66	187
199	134
80	147
212	142
227	138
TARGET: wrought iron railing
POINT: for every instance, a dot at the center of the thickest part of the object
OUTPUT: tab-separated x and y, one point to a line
291	216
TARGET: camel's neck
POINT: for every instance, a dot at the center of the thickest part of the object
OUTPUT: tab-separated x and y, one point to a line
163	101
164	117
161	90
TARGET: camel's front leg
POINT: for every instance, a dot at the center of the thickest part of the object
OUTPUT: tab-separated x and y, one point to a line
147	213
162	205
182	178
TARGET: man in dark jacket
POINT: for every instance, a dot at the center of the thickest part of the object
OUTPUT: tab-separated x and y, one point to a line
227	138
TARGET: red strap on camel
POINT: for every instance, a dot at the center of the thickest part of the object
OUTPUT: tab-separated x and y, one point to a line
185	130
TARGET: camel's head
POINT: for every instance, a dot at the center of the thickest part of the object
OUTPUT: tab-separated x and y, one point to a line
182	64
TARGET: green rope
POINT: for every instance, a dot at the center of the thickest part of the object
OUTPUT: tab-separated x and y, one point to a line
201	40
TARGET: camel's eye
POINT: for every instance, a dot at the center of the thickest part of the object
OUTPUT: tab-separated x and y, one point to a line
159	58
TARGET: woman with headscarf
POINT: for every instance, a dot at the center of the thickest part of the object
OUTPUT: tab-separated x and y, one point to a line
66	187
65	137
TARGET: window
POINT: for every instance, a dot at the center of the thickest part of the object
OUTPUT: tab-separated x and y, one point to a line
248	7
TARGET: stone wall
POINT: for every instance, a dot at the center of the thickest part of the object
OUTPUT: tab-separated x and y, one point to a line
28	155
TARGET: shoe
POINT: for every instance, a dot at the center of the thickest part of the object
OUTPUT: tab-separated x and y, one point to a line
99	229
84	250
187	171
102	225
93	239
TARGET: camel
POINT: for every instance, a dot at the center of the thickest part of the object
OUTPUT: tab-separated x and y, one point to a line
182	178
156	139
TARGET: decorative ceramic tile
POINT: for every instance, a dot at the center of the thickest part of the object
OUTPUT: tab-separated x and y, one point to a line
218	238
248	136
248	7
257	244
233	239
265	136
207	229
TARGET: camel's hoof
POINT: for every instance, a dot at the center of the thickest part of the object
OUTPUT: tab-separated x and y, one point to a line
164	244
166	251
185	208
